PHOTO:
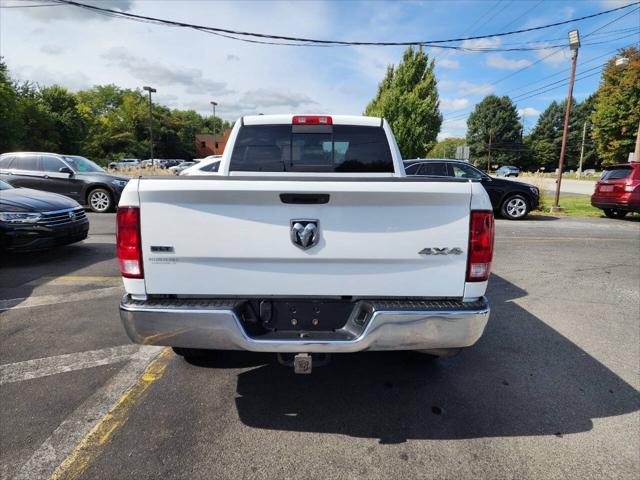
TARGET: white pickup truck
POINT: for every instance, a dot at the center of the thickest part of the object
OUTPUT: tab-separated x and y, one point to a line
309	240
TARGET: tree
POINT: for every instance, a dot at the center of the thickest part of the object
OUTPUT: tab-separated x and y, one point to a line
446	148
408	98
617	108
545	139
11	125
495	122
103	123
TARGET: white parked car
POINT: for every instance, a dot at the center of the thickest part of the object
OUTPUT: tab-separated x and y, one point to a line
176	169
310	240
207	166
124	164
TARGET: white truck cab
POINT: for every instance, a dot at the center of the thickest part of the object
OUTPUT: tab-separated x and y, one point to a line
310	239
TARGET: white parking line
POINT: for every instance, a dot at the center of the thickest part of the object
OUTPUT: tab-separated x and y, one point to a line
55	449
42	300
43	367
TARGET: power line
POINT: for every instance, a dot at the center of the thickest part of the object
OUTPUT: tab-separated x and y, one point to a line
302	41
593	32
523	14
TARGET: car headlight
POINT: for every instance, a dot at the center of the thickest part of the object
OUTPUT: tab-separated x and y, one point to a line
18	217
535	191
120	183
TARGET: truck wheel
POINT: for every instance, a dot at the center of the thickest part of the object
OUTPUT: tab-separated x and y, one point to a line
515	207
613	213
100	200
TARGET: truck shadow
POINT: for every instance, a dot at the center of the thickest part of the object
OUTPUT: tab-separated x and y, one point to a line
522	378
20	273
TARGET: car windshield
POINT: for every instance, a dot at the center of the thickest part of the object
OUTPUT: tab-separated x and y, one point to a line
5	186
81	164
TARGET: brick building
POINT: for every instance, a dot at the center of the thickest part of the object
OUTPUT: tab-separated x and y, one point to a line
209	144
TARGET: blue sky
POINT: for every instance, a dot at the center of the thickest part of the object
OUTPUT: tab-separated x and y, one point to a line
78	49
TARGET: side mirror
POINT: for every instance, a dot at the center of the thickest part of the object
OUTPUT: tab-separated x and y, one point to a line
66	170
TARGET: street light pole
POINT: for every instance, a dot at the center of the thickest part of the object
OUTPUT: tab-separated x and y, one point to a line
489	153
214	104
150	90
574	43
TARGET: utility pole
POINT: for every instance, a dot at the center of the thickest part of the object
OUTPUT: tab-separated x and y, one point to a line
489	155
637	153
150	90
574	44
584	134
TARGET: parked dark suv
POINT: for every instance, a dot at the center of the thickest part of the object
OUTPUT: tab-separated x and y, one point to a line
71	175
513	200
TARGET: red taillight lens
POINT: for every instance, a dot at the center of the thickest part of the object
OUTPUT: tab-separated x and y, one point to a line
630	185
312	120
481	235
128	242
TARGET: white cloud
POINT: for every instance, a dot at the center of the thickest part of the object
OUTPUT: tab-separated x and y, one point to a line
454	103
453	128
481	43
73	80
232	58
263	97
528	112
148	72
554	57
464	88
448	63
51	49
497	60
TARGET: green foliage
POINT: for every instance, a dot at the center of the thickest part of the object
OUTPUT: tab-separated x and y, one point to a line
617	109
446	148
103	123
495	120
10	132
545	140
408	98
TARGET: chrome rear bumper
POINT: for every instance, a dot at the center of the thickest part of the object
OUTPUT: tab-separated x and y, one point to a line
213	324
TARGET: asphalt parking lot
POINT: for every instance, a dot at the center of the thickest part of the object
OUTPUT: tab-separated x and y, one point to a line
550	391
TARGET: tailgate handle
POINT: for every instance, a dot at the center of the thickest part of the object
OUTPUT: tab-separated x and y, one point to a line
305	198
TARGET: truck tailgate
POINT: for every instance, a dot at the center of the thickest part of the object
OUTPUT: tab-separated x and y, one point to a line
231	237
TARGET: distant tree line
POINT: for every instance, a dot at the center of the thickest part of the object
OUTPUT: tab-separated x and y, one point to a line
103	123
611	116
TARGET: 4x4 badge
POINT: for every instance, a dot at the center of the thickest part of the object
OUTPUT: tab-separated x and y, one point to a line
441	251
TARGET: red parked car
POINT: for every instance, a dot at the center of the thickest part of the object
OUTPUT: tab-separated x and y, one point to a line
618	190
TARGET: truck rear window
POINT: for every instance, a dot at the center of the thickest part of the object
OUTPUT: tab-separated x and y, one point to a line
321	148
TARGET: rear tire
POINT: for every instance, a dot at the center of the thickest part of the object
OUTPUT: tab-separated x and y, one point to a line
100	200
515	207
613	213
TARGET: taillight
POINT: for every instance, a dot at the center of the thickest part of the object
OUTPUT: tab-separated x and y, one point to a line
481	235
630	185
128	242
312	120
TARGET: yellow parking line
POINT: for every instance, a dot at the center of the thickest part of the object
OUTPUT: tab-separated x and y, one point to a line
91	445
